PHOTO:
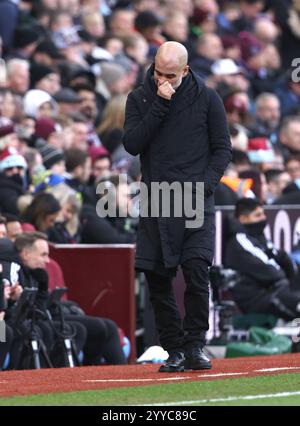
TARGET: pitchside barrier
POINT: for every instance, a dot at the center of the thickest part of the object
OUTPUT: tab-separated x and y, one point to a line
101	279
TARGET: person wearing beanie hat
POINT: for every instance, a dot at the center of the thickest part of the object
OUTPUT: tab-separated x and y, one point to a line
25	41
38	103
53	159
10	158
45	78
114	78
12	179
8	136
44	127
47	53
6	127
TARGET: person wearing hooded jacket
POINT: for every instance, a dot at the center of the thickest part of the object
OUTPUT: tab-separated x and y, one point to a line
266	282
12	180
179	128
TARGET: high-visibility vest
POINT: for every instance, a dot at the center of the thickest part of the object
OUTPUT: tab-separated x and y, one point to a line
239	186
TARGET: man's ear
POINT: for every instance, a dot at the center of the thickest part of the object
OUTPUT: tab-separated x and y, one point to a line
185	70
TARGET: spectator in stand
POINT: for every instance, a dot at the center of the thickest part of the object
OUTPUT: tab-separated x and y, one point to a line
99	229
18	76
66	227
149	24
42	212
267	117
277	181
68	101
121	22
208	50
38	104
12	180
45	78
7	104
13	227
79	168
289	136
176	26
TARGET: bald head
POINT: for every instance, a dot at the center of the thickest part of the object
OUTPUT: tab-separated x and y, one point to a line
172	52
171	64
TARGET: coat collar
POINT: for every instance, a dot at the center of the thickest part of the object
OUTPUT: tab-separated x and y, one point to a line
186	94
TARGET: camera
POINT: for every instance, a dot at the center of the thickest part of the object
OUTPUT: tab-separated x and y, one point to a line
222	280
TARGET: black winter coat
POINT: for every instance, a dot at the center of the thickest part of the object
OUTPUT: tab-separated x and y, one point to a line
10	191
182	140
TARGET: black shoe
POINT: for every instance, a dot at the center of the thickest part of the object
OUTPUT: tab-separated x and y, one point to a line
174	363
195	359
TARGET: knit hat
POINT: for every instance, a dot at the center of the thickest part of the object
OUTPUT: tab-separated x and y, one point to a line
50	49
24	35
38	72
250	45
45	126
201	15
6	127
111	72
98	152
11	158
260	150
34	99
51	155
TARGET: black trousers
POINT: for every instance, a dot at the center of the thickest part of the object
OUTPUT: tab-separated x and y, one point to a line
102	341
175	334
5	346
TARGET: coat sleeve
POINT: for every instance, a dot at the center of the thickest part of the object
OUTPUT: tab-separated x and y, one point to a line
219	143
250	260
138	130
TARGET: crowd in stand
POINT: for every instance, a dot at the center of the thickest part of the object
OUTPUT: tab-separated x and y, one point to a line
66	68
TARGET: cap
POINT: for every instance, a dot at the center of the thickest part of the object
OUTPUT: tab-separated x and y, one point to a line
225	67
67	95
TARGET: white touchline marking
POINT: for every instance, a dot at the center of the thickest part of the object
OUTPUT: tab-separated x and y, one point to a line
276	369
263	370
136	380
229	399
222	374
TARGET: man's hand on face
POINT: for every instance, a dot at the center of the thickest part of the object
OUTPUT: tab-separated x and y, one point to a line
165	90
15	292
